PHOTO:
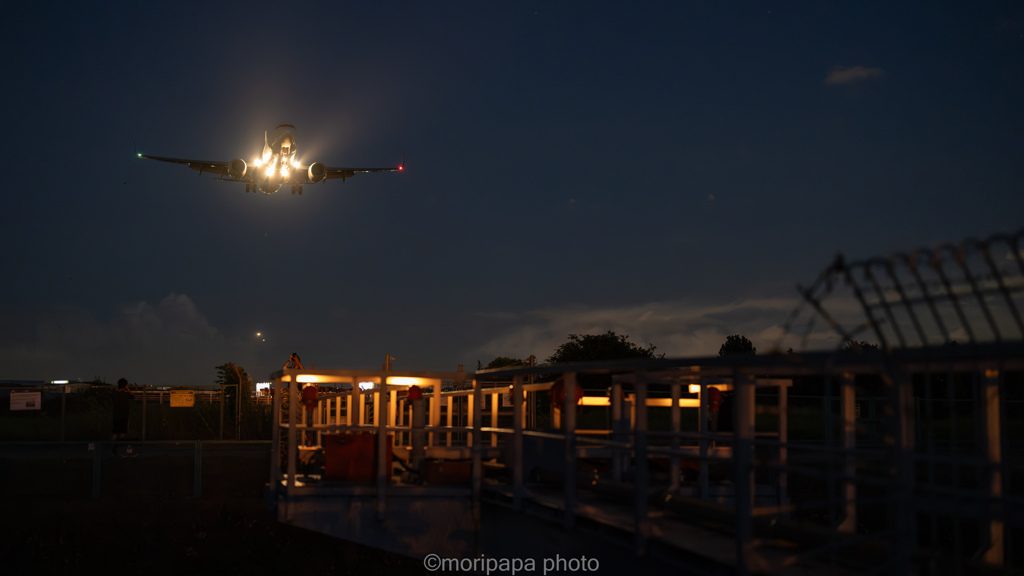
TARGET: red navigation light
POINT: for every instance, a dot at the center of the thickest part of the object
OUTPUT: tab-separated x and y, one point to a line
401	167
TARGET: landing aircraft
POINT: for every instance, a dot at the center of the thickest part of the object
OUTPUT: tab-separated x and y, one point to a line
277	166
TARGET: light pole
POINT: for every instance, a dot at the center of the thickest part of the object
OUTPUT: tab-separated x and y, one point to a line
238	404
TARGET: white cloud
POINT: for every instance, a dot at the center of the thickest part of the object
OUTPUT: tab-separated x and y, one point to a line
168	343
850	74
677	328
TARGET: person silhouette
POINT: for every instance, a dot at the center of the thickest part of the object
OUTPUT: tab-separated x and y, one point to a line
122	396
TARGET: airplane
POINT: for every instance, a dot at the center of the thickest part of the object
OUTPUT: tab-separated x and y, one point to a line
277	166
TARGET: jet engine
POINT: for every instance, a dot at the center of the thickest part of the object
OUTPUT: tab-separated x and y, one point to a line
317	171
237	168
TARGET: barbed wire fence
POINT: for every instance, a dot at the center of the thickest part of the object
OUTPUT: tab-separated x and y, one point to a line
966	293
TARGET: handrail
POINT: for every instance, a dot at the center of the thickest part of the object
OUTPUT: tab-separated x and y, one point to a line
688	461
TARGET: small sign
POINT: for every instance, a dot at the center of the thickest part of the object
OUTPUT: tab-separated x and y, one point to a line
506	400
183	399
26	400
856	410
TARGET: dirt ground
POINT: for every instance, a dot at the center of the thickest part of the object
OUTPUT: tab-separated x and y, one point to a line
173	538
147	522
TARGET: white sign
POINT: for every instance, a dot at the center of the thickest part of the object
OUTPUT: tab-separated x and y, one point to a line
506	400
26	400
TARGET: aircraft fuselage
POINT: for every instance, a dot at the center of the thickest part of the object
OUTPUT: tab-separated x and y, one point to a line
278	164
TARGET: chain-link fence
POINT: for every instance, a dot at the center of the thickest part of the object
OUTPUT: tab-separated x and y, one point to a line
85	412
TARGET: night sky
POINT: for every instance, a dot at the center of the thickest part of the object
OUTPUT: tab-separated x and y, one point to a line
665	170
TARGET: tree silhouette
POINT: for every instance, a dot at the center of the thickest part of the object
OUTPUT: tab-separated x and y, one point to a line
504	362
607	346
862	346
228	376
736	344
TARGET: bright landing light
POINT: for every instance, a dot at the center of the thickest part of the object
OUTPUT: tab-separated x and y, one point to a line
284	172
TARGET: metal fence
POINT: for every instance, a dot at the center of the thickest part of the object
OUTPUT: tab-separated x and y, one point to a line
84	412
930	476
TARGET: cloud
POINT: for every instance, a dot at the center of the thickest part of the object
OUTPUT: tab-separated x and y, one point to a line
677	328
851	74
167	343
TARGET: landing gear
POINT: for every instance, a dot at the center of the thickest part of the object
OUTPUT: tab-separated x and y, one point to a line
248	187
297	189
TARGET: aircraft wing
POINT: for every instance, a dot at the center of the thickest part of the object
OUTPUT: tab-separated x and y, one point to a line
344	173
211	167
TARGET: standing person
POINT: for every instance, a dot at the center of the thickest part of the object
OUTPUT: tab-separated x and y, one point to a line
122	396
294	362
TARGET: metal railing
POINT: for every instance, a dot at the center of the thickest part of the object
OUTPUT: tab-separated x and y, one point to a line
900	505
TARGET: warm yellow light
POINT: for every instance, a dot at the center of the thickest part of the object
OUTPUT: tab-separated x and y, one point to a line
284	172
270	171
410	381
308	378
656	402
667	402
296	163
257	162
694	388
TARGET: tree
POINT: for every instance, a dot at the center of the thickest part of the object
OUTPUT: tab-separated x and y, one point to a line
607	346
862	346
228	378
594	347
504	362
736	344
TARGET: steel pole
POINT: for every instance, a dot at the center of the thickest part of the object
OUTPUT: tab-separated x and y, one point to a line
145	393
63	409
238	404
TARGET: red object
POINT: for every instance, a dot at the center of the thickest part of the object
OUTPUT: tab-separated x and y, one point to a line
309	396
714	399
415	393
558	393
447	471
352	457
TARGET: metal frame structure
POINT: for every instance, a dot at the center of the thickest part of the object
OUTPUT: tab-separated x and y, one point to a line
852	509
942	493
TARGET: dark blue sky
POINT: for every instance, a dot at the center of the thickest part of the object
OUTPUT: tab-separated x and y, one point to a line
666	171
